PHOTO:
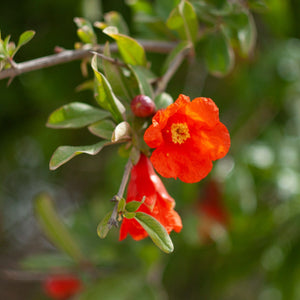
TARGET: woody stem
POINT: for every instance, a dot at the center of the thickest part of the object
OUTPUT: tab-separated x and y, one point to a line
113	219
71	55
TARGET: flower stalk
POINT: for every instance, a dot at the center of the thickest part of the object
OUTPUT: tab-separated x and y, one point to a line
113	219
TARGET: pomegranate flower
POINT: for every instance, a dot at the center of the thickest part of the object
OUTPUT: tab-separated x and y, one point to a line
62	287
214	216
188	136
212	205
144	183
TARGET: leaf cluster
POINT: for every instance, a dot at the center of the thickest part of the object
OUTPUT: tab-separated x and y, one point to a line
129	210
8	48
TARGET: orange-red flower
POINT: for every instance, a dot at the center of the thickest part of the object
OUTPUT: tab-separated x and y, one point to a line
158	203
213	213
188	136
212	205
62	287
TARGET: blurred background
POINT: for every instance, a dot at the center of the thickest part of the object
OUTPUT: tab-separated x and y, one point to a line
241	225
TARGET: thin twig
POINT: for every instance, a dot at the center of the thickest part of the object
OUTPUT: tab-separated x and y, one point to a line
72	55
113	219
109	59
164	80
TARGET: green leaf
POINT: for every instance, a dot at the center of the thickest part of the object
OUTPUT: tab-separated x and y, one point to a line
240	28
65	153
131	51
85	31
183	19
156	231
163	100
129	215
257	5
46	262
116	77
103	129
105	96
54	227
25	37
142	77
133	206
247	36
3	45
219	57
11	48
85	36
115	19
75	115
121	205
103	227
181	48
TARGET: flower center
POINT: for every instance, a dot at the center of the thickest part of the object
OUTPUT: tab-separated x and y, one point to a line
180	133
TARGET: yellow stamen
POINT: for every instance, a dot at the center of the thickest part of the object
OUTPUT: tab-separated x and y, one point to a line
180	133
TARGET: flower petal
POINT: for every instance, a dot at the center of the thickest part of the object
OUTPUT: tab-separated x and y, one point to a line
214	143
165	163
153	135
193	169
203	110
187	166
144	182
132	227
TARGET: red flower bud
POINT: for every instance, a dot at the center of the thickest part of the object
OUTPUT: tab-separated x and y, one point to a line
62	287
142	106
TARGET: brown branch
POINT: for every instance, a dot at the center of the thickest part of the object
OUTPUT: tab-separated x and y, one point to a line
110	59
72	55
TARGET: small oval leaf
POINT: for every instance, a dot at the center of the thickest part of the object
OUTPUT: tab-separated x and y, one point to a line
116	77
65	153
105	96
75	115
219	57
25	37
156	231
131	51
183	19
103	129
129	215
163	100
133	206
103	227
141	76
114	18
121	205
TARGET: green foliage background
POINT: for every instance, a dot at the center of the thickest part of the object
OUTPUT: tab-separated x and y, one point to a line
259	102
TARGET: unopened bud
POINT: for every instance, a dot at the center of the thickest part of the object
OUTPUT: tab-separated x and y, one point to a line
142	106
